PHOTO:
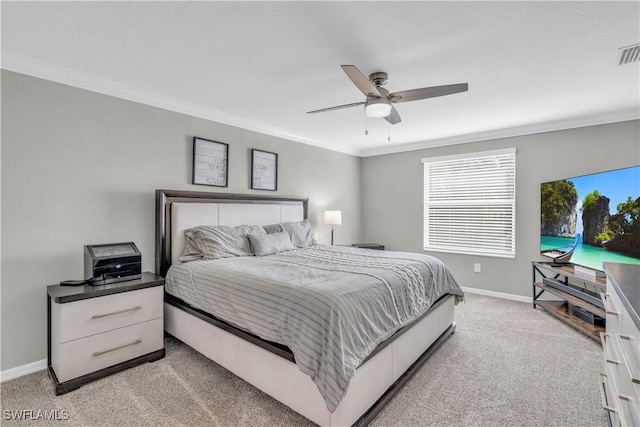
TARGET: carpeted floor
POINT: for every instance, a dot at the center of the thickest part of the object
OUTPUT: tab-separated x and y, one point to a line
506	365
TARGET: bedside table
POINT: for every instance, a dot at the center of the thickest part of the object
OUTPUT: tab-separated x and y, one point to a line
95	331
375	246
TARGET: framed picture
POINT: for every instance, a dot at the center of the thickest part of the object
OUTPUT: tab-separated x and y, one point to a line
210	162
264	170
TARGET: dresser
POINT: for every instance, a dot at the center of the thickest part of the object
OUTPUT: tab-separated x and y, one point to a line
620	381
94	331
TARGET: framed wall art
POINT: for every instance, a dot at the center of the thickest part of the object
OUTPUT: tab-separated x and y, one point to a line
210	162
264	170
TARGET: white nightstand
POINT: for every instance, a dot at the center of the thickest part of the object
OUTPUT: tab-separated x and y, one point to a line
94	331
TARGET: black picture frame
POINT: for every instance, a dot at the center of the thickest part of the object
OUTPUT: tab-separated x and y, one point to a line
210	163
264	170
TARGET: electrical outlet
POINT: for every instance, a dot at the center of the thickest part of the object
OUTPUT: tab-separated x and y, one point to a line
477	268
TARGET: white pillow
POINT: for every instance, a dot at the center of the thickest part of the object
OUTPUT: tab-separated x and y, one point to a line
269	244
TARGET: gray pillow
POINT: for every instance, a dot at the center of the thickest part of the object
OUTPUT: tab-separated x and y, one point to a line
191	251
273	228
269	244
218	241
299	232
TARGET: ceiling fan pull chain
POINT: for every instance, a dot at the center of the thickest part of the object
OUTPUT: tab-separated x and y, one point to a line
366	124
388	132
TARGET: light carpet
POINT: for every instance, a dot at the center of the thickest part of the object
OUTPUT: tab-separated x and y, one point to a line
506	365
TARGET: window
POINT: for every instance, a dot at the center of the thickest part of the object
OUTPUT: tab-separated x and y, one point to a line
469	203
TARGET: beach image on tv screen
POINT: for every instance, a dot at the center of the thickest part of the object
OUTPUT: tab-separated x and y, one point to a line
591	219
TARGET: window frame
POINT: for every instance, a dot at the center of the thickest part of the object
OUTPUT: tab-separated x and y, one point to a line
488	198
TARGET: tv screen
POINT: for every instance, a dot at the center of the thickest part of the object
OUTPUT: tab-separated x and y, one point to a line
591	219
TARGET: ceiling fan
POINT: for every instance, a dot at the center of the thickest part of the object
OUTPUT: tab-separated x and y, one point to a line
379	101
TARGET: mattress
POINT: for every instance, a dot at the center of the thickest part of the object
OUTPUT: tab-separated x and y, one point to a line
330	305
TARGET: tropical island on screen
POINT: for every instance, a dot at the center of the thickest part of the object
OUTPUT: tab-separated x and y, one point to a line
591	219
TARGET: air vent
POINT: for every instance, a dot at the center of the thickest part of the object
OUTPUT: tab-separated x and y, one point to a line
628	54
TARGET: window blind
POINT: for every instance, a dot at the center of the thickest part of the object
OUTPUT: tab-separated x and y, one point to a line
469	203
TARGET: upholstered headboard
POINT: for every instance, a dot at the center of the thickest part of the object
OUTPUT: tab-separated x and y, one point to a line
178	210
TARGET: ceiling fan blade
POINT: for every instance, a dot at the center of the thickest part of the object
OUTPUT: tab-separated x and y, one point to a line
427	92
338	107
393	117
361	81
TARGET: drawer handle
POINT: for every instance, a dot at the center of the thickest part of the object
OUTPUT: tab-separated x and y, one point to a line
607	358
605	299
99	316
602	394
99	353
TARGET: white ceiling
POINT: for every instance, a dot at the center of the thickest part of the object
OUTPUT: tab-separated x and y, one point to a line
531	66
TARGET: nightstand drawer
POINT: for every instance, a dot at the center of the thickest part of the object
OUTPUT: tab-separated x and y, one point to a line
78	319
82	356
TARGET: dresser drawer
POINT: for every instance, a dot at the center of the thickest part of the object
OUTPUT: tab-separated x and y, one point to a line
78	319
608	399
628	410
629	374
614	311
82	356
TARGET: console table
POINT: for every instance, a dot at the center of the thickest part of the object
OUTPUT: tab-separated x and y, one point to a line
580	304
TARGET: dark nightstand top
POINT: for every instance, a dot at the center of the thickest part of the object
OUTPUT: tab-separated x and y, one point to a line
61	294
376	246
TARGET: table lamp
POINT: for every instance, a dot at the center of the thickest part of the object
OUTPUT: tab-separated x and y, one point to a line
333	218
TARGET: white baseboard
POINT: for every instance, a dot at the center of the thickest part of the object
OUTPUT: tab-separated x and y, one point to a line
18	371
511	297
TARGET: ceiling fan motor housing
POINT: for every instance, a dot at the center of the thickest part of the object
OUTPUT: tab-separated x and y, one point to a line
379	78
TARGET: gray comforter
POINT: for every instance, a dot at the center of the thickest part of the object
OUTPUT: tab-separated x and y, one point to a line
330	305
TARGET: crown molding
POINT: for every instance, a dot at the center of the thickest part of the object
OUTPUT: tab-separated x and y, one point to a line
578	122
54	73
46	71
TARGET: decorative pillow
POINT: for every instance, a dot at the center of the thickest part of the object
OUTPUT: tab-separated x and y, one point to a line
273	228
269	244
218	241
299	232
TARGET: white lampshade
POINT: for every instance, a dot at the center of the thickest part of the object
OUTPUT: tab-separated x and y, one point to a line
333	217
378	108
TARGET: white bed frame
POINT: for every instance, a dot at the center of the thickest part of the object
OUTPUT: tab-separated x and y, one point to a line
374	382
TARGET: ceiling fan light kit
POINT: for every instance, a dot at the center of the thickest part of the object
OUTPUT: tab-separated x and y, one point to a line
378	107
379	101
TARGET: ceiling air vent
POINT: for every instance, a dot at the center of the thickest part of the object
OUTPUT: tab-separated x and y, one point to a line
628	54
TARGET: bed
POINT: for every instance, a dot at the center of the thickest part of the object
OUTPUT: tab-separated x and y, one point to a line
368	372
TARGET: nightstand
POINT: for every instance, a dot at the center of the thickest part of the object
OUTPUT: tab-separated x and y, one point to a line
95	331
375	246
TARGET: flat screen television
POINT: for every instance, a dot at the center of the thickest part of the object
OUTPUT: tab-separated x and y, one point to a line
591	219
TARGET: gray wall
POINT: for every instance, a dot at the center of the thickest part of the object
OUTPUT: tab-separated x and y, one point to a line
392	199
81	168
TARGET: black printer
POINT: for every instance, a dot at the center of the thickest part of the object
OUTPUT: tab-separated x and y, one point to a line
112	262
